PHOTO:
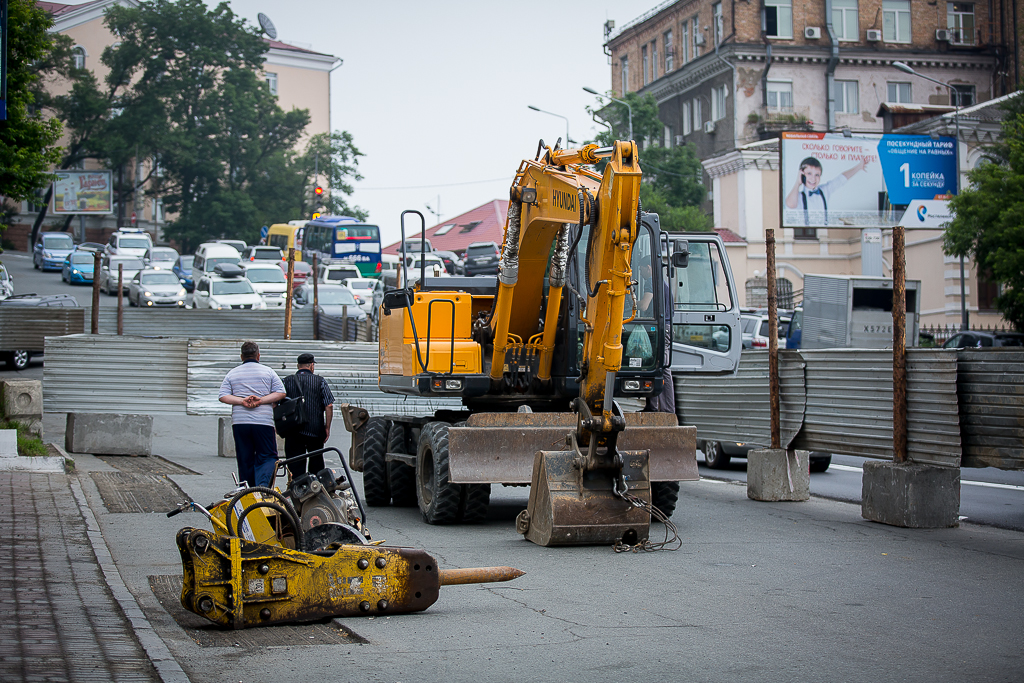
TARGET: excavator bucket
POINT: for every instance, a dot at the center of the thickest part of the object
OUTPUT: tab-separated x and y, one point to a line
570	506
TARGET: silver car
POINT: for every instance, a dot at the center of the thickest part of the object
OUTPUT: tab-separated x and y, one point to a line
153	287
131	265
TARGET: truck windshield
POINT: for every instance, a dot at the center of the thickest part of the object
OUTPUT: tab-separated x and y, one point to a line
702	284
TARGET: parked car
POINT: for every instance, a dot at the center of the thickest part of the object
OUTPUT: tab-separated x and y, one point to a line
754	329
17	359
257	253
129	242
160	257
210	254
6	283
90	246
51	249
333	300
269	281
982	340
78	268
300	273
130	265
434	267
226	288
717	454
156	287
452	262
334	273
481	259
369	293
239	245
415	244
183	269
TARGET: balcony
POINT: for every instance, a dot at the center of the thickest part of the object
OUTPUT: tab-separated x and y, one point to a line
770	121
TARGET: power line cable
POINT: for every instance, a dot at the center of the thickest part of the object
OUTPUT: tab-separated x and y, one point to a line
427	187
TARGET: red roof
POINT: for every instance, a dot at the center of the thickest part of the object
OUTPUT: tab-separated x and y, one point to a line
277	44
485	223
57	8
728	236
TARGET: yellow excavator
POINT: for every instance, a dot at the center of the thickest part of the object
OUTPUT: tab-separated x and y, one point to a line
575	317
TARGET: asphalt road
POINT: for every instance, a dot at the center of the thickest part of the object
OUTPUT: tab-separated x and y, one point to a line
28	280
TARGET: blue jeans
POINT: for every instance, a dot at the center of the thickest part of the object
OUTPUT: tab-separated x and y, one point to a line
256	453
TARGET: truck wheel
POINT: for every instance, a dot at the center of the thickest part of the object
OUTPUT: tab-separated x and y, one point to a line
438	498
17	360
715	456
401	477
820	464
376	491
665	495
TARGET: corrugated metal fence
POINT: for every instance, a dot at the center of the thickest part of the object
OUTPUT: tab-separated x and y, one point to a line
192	323
25	327
991	391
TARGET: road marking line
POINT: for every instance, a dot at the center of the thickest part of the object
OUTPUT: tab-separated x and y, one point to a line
965	482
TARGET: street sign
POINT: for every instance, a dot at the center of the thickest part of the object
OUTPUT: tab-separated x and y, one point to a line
316	214
264	231
134	218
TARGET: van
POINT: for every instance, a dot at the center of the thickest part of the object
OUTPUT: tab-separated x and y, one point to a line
389	269
285	237
209	254
129	242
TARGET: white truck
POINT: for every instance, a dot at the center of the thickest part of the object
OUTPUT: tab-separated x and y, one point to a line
851	311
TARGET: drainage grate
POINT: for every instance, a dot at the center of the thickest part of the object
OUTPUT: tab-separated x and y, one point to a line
167	590
127	492
144	464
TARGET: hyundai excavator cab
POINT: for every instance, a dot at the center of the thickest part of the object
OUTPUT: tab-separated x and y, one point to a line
578	315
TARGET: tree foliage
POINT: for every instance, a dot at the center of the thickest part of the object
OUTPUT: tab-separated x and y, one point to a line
672	184
988	223
28	140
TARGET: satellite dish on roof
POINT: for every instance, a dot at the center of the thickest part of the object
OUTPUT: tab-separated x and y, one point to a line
268	25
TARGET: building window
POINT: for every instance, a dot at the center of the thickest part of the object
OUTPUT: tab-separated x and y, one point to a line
684	42
896	21
698	115
844	19
272	82
158	210
804	234
964	96
645	64
79	55
778	18
898	93
669	134
654	60
687	121
718	95
987	293
847	97
780	95
717	23
698	37
624	80
960	21
667	40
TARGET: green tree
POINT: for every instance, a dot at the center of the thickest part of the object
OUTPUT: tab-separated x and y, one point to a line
988	223
672	184
28	140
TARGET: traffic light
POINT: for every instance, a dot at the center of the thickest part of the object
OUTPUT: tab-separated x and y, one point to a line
318	191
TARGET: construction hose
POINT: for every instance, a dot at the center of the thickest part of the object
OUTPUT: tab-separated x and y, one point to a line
285	503
292	519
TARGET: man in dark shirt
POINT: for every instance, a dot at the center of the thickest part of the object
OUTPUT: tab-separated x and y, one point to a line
318	409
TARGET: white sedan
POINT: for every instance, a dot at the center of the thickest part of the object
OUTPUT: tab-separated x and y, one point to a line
368	292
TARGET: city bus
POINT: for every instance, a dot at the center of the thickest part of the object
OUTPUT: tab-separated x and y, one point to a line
342	239
287	236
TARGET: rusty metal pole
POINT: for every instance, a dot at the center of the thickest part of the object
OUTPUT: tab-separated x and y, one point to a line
316	302
96	292
899	346
344	322
288	301
773	342
120	299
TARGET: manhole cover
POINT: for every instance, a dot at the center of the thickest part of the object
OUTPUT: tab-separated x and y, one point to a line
127	492
144	464
167	590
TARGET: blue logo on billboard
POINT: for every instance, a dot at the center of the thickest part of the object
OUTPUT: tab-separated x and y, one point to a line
922	211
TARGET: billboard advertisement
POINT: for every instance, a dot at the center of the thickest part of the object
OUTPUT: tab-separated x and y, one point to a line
83	192
864	181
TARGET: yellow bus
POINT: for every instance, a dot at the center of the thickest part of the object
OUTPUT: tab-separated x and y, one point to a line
286	236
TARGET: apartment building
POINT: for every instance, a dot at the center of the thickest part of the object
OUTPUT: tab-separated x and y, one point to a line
730	75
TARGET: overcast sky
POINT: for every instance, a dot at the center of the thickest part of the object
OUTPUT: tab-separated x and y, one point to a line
436	93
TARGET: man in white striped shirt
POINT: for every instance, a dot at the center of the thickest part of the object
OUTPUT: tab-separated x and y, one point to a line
252	389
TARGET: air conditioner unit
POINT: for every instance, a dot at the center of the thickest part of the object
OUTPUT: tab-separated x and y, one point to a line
680	139
709	126
943	35
698	39
812	33
874	35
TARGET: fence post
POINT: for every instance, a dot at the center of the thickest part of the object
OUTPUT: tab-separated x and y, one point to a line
899	346
344	322
95	292
288	293
316	301
120	299
773	341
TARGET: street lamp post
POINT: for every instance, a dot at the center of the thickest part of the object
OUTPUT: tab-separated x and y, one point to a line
955	96
568	140
628	108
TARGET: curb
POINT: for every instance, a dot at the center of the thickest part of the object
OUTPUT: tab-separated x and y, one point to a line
166	666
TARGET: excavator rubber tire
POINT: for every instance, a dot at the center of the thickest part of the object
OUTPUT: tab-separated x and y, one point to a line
401	477
476	498
376	491
439	500
665	495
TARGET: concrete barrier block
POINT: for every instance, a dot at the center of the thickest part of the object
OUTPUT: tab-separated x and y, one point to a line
8	443
109	434
774	474
22	398
911	495
225	438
